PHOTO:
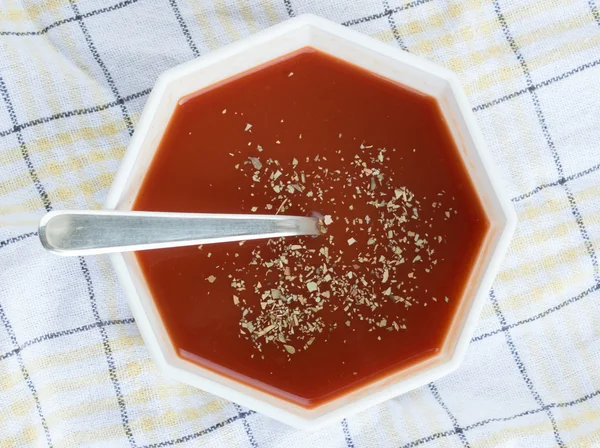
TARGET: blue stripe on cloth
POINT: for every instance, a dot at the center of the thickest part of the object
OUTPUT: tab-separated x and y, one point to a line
549	140
523	370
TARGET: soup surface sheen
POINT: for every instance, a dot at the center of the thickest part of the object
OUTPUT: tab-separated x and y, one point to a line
308	319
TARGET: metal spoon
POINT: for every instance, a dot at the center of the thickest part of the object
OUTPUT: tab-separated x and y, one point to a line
100	232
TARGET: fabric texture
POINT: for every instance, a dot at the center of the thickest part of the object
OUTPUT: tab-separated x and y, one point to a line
74	76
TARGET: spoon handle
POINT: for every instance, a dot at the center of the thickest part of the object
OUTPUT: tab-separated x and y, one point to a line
99	232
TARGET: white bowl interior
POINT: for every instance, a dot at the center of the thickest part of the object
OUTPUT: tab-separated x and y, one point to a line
388	62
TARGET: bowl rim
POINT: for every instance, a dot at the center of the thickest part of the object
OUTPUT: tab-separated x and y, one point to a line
505	229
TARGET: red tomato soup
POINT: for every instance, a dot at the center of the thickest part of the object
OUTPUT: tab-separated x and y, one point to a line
309	319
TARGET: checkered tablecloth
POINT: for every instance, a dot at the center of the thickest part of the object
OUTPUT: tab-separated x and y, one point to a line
74	76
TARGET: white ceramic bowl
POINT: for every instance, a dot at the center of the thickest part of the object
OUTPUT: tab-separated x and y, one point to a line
343	43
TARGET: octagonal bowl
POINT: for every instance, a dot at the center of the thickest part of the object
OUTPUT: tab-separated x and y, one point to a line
385	61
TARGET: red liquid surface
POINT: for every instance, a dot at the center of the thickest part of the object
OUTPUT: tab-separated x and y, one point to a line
360	126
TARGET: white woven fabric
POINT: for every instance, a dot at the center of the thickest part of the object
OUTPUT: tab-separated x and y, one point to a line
74	76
